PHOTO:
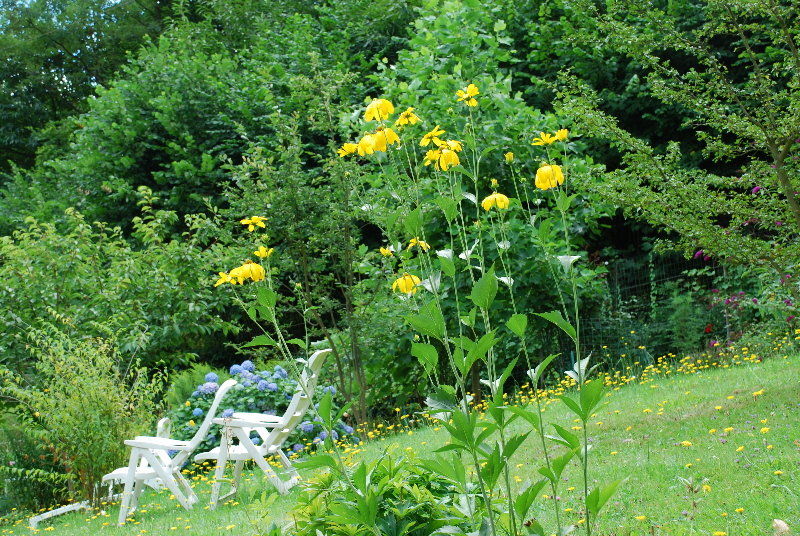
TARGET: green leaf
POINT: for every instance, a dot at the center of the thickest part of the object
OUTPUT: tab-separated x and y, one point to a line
484	290
449	207
448	266
261	340
478	351
556	318
525	499
531	416
599	496
499	26
443	398
537	372
299	342
517	324
324	409
318	460
413	223
266	297
590	395
427	354
429	321
574	407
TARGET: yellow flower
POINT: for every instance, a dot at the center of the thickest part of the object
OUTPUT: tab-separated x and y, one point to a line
407	118
223	278
494	183
706	488
764	430
378	110
417	242
188	404
453	145
191	422
561	134
447	159
431	157
467	95
366	145
720	533
640	518
385	137
509	156
347	148
387	252
495	200
432	136
248	270
544	139
549	176
263	252
254	221
686	443
407	283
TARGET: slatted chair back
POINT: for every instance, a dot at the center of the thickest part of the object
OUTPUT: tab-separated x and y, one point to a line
301	401
202	430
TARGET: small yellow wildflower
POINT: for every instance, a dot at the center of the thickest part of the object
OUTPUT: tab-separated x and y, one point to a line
467	95
254	221
386	252
417	242
561	134
686	443
263	252
544	139
494	183
378	110
764	430
407	118
549	176
640	518
509	156
706	488
495	200
347	148
407	283
432	136
224	277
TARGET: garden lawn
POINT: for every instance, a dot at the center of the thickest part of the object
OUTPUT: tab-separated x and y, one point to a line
707	426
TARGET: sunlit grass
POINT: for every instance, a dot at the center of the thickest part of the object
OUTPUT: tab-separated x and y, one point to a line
734	431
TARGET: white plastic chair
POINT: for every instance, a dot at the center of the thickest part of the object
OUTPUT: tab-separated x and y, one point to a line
272	430
150	460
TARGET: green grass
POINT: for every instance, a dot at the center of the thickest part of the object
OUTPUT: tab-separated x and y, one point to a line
643	446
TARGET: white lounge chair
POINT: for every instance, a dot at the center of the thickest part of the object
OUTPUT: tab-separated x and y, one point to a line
273	431
150	460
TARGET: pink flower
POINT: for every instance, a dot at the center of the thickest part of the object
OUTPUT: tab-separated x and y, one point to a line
698	254
755	190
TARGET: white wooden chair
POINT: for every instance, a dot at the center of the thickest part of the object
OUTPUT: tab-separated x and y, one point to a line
273	431
150	459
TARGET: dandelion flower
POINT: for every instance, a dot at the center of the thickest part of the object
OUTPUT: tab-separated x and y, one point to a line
378	110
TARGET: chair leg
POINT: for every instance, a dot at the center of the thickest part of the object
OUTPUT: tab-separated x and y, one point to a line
222	462
290	471
168	478
137	490
254	453
130	480
190	494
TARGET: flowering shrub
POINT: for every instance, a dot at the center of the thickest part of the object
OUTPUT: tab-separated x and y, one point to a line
258	391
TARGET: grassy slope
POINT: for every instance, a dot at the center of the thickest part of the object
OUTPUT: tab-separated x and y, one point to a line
628	442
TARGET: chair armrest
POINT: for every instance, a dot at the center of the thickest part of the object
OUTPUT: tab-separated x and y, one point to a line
157	443
233	422
257	417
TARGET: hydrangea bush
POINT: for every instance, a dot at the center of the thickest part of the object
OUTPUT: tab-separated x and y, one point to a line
258	391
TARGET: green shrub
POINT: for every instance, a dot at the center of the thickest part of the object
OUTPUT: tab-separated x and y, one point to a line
79	405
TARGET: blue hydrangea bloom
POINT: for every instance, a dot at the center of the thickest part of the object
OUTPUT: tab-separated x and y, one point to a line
262	385
227	413
211	437
280	372
272	386
212	377
249	376
297	447
171	453
268	412
323	435
347	429
198	412
236	369
195	394
306	427
208	388
329	389
287	396
248	366
334	435
246	383
256	440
